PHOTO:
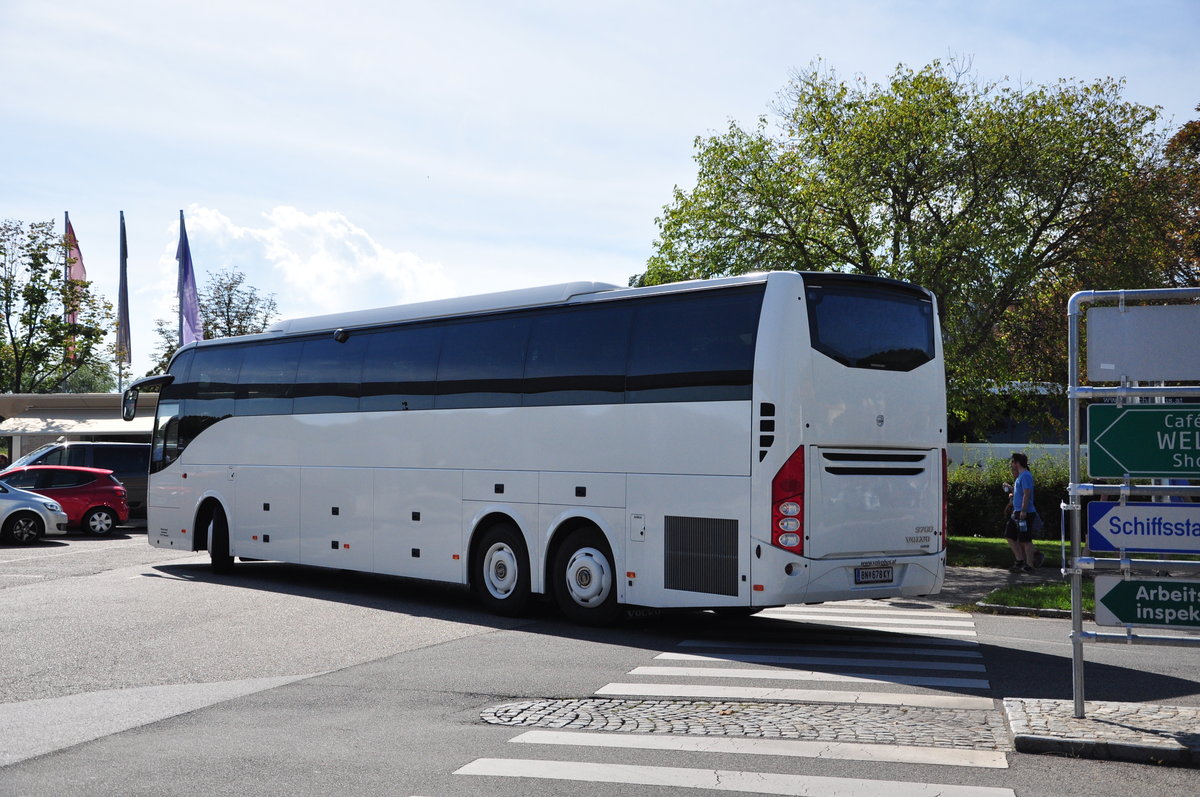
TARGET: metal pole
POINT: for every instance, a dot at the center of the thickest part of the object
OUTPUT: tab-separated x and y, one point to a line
1073	429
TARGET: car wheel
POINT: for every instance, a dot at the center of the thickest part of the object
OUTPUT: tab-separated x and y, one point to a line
99	521
585	584
24	528
500	571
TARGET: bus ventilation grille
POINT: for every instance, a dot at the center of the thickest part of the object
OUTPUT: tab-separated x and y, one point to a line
701	555
874	463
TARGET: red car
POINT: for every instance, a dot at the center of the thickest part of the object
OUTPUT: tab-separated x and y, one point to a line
92	497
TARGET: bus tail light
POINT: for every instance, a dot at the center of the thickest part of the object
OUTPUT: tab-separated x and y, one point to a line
945	497
787	504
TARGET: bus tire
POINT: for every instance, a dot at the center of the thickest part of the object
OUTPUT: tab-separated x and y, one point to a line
585	583
218	541
500	571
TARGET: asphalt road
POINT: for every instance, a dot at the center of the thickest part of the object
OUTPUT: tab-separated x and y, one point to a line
129	670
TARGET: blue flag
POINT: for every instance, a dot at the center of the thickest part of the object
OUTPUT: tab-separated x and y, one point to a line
189	301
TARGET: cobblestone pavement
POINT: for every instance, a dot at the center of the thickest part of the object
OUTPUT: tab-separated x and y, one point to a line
1143	732
968	729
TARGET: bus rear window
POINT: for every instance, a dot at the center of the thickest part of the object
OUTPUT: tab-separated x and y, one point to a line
866	324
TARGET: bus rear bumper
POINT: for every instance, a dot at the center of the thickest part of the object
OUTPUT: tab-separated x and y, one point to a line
818	580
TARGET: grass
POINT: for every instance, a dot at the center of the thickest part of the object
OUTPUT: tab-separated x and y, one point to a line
1043	596
994	552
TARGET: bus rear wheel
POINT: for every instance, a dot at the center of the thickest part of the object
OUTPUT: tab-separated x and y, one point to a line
500	571
585	584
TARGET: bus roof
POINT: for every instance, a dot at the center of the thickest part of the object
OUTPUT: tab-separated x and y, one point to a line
462	305
514	300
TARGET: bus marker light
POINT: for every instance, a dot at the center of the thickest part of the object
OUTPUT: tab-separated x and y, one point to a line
254	537
346	546
454	556
759	588
631	574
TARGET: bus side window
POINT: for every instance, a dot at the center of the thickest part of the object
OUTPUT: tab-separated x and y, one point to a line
266	379
482	363
577	356
695	347
329	374
400	368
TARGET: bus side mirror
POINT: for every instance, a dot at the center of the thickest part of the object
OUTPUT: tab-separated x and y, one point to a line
129	403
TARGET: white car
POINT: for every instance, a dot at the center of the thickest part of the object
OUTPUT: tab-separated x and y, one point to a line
26	516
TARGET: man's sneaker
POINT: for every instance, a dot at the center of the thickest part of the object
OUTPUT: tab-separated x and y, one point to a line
1027	569
1017	565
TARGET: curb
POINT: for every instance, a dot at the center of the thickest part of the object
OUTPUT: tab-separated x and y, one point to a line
1140	733
1105	750
1026	611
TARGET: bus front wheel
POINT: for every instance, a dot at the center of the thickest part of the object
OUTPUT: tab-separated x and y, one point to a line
218	541
585	584
500	571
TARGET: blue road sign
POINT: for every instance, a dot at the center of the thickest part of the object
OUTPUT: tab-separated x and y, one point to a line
1160	528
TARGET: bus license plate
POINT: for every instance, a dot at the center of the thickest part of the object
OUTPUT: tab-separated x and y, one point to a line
873	575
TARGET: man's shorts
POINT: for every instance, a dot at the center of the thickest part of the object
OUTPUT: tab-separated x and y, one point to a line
1013	531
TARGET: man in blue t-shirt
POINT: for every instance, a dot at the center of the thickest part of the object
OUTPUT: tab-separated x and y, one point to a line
1019	528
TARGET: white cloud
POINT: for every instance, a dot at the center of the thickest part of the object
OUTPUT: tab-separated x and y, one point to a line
314	263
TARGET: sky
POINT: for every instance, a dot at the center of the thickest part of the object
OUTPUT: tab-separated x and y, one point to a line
366	153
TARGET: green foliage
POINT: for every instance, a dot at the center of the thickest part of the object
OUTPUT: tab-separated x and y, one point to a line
1002	199
41	351
228	307
977	499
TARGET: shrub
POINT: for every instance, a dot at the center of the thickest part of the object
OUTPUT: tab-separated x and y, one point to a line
977	501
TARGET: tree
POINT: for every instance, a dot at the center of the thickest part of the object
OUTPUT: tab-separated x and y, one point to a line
42	350
228	307
998	198
1182	173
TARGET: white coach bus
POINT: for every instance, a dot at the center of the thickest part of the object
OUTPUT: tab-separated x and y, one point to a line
726	444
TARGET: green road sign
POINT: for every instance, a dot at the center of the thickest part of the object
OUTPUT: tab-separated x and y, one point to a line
1147	440
1163	603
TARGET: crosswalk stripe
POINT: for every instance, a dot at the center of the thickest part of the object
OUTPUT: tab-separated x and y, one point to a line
963	648
719	780
794	695
842	751
841	607
811	675
910	631
826	661
866	618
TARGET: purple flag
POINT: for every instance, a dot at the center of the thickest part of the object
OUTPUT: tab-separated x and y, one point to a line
189	301
124	350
